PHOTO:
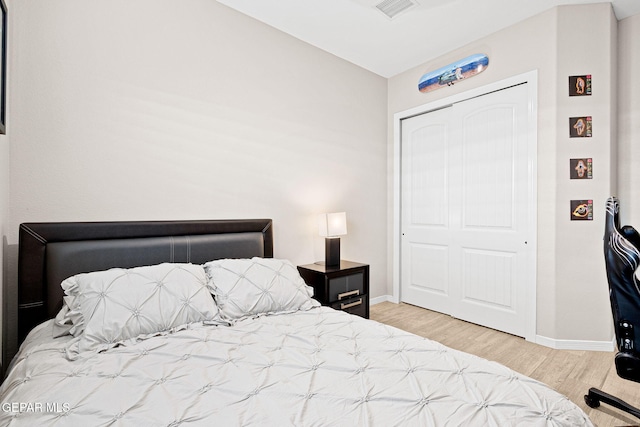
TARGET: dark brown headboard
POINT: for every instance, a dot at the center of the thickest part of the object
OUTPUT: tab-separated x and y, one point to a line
50	252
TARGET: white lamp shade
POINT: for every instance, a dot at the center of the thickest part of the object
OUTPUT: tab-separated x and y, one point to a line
332	224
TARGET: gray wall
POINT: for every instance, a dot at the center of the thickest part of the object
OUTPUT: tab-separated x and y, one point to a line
141	111
569	256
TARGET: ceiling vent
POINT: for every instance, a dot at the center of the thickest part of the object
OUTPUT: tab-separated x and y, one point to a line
393	7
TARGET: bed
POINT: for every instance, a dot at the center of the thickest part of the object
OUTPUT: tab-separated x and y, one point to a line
195	323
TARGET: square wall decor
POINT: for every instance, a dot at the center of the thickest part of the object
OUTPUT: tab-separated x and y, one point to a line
581	168
580	127
581	210
580	85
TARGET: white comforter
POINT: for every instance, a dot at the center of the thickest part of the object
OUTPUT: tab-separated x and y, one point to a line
315	368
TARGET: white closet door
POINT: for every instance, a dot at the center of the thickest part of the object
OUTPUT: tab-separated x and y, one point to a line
465	210
426	210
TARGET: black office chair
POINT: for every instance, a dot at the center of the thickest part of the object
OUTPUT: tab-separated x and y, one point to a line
622	258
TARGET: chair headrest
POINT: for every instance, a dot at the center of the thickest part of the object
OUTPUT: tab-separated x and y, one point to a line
612	220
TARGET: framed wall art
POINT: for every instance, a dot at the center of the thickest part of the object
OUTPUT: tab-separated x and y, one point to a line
580	85
580	127
581	168
581	210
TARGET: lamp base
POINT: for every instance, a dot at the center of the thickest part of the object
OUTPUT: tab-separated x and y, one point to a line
332	251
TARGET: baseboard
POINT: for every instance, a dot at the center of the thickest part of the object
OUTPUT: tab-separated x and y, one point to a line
585	345
576	344
378	300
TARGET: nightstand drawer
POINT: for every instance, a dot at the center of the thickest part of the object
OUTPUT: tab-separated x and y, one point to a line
342	288
357	305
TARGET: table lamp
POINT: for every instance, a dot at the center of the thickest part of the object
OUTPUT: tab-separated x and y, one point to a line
331	226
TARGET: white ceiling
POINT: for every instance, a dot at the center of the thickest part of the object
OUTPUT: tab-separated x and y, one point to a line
357	31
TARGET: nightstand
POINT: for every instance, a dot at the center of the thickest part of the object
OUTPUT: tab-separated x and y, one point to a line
344	287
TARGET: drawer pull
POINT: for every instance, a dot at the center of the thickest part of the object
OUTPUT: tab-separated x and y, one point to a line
353	304
348	294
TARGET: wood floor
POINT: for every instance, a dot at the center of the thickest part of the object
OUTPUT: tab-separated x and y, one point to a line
570	372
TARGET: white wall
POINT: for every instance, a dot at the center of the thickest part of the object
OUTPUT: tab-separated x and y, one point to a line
628	123
511	52
148	110
569	256
5	141
587	44
141	110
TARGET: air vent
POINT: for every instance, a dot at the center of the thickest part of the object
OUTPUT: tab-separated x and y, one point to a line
393	7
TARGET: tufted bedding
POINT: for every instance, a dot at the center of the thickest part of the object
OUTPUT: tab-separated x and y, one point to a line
313	367
195	324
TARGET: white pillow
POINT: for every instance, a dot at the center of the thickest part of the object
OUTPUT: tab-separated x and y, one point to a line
107	308
250	287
